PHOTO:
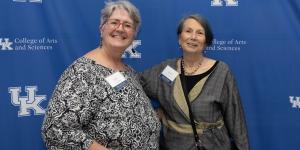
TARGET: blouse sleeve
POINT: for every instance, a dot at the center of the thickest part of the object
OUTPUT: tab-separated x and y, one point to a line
149	80
68	112
234	114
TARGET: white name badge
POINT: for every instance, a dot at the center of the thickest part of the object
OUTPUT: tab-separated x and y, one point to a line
116	80
169	74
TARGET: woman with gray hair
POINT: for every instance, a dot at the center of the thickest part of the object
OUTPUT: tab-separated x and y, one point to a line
98	103
199	98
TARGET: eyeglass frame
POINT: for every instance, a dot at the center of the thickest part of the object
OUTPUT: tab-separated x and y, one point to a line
118	22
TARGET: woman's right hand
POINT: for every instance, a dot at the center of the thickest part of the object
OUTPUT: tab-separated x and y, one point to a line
97	146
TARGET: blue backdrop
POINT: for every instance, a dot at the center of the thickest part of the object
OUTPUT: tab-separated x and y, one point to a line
259	39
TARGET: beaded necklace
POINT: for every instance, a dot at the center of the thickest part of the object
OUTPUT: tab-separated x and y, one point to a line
191	66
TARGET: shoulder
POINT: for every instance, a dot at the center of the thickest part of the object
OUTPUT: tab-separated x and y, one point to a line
222	65
168	62
83	64
78	76
155	70
221	70
80	66
171	61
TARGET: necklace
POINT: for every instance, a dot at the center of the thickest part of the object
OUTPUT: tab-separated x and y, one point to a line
193	66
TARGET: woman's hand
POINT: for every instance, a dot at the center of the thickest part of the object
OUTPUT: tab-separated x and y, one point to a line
97	146
159	113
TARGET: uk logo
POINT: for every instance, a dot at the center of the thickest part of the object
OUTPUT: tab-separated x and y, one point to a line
295	101
31	101
131	51
5	44
30	1
227	2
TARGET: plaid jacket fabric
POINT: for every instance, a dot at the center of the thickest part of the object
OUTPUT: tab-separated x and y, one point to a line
218	99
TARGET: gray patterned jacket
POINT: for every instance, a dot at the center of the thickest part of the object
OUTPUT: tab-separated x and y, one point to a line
215	103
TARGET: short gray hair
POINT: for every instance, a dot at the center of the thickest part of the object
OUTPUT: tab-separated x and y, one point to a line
111	6
209	36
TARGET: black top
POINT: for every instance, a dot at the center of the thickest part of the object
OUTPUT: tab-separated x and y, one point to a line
191	81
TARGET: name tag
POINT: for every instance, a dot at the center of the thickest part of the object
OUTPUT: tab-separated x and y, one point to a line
169	74
116	80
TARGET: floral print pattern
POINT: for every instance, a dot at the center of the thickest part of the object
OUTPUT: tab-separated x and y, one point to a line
85	108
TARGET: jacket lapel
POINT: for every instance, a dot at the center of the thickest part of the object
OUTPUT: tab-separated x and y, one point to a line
193	94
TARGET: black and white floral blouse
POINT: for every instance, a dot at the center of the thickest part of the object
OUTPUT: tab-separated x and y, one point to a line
84	107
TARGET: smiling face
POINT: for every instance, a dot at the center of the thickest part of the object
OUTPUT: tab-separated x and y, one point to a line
192	38
119	31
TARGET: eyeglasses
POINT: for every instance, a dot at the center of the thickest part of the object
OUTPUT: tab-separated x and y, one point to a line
115	23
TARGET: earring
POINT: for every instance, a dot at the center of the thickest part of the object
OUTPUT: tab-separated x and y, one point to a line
180	46
100	42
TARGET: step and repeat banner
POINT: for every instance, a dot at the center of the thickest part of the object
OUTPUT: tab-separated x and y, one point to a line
260	40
